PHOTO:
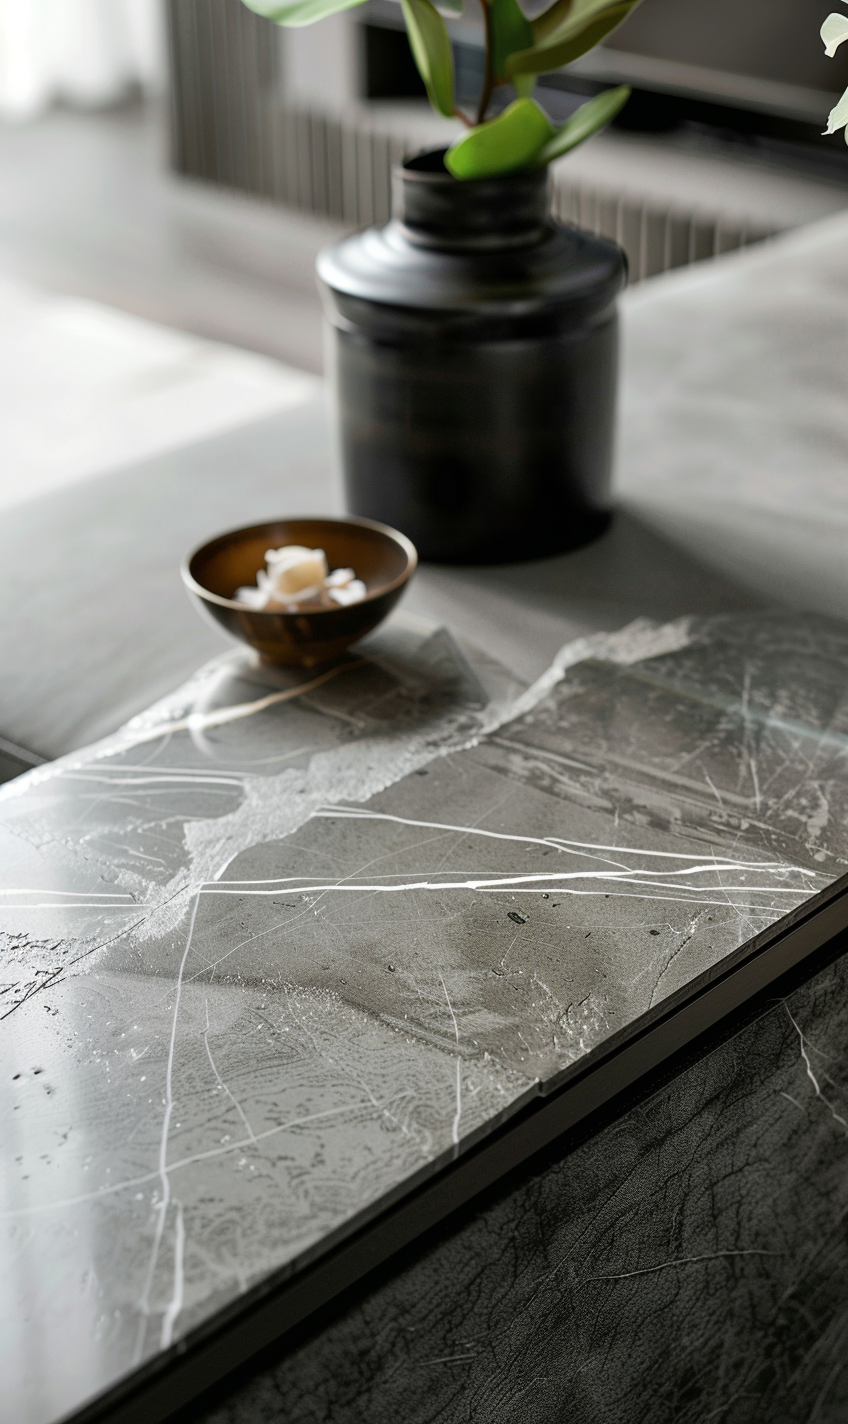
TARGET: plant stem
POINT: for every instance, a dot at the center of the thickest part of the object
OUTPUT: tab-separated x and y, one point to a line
488	75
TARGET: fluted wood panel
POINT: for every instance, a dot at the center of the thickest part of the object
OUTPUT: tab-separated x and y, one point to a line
231	125
223	67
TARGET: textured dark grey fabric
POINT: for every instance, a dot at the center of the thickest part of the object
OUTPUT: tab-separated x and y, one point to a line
689	1264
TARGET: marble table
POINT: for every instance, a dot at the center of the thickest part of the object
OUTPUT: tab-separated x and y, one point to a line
282	952
292	971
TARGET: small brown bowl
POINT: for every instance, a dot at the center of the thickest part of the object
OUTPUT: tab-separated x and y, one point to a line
384	559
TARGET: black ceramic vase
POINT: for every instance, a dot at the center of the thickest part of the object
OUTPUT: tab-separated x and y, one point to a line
473	358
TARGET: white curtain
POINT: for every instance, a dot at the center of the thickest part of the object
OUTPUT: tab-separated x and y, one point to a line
87	52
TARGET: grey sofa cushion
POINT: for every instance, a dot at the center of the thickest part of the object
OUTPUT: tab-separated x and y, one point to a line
96	624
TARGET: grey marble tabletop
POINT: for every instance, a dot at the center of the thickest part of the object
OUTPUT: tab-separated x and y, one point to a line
283	947
275	950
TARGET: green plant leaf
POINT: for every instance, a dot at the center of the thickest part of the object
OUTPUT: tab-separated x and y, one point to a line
510	30
431	50
567	14
580	31
298	12
583	123
503	144
524	84
554	16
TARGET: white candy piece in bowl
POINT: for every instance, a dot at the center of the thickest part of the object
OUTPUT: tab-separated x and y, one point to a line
352	592
297	579
293	569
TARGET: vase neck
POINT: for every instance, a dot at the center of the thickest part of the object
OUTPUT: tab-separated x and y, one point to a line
481	214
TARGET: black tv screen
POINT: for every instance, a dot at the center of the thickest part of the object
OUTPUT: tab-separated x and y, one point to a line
761	55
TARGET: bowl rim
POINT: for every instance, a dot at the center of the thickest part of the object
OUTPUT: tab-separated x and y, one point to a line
208	596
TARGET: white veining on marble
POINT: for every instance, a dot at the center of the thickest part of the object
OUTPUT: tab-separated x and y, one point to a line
164	1177
638	641
175	1304
458	1115
527	884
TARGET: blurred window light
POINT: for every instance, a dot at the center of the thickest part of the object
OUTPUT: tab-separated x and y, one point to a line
86	52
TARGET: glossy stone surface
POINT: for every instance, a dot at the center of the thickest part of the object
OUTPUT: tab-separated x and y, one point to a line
279	950
686	1264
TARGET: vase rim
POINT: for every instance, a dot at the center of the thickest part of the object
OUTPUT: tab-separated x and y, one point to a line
495	213
407	172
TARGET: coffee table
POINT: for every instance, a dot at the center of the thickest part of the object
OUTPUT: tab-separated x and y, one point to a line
497	1229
